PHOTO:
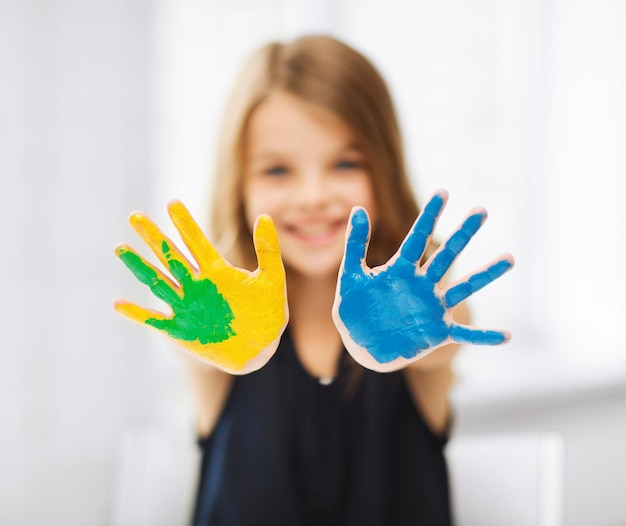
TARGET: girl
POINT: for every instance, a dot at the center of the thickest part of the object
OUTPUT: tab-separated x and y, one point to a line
311	437
309	133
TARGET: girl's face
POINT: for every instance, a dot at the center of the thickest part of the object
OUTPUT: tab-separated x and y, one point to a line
304	167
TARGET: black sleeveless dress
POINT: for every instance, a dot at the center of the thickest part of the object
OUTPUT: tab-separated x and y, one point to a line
288	450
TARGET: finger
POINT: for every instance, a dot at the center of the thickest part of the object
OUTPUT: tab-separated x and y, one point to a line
457	293
415	243
266	246
357	241
163	247
162	287
448	252
461	334
135	313
201	249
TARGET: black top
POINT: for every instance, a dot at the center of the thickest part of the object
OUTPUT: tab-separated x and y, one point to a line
288	450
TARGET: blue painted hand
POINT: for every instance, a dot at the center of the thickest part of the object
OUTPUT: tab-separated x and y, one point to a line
399	312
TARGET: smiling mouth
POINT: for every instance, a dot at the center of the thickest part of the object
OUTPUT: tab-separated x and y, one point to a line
316	233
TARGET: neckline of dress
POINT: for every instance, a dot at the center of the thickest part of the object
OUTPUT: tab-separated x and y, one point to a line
324	381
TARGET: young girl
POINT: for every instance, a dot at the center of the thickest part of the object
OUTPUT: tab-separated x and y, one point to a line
312	437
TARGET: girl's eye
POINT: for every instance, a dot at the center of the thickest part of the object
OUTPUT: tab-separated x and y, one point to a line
277	170
347	165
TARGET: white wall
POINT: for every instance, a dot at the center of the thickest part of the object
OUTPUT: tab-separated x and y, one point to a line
592	425
76	131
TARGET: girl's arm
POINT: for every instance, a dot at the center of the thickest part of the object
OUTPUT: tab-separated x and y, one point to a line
210	387
430	379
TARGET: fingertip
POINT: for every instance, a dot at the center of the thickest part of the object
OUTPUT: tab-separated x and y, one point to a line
130	310
357	208
357	240
263	221
264	226
442	195
359	221
476	218
479	211
127	255
181	217
138	221
264	234
504	263
435	204
136	216
121	249
175	207
178	212
510	258
118	303
121	306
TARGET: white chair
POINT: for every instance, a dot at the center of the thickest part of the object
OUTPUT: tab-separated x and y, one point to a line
156	479
505	479
512	479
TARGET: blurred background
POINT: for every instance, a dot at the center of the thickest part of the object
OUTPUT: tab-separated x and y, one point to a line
109	107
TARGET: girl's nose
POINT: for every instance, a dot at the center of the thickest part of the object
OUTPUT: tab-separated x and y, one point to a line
312	190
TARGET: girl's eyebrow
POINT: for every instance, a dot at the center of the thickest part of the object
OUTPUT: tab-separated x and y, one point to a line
270	155
267	154
277	155
351	152
352	147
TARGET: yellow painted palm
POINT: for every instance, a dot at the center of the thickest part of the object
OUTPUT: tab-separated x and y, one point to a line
228	317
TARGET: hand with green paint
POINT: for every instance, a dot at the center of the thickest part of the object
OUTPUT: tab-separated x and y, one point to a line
226	316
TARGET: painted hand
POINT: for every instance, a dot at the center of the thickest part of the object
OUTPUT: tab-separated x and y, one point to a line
228	317
399	312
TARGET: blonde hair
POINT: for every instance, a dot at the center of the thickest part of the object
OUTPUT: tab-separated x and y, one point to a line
331	75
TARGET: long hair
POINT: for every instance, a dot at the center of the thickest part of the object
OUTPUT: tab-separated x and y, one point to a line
329	74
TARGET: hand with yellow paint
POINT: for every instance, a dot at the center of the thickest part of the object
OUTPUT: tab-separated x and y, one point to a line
226	316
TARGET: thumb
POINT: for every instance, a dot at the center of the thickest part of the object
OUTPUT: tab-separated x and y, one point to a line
266	245
357	241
